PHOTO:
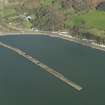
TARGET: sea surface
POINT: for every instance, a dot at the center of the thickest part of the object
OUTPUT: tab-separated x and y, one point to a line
24	83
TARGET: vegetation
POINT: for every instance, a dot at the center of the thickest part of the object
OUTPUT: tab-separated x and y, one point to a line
75	16
92	23
92	19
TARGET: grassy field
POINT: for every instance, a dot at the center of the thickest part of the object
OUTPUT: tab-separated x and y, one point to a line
92	19
8	12
92	22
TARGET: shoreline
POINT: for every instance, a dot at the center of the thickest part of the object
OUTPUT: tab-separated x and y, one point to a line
62	35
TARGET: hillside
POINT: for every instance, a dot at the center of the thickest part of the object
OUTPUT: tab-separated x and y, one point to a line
76	16
94	3
48	13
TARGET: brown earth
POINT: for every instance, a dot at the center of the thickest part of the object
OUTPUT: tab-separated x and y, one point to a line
94	3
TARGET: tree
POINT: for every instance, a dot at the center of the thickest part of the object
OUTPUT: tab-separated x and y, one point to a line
46	18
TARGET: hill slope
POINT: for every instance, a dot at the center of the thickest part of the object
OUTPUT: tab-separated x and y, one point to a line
79	17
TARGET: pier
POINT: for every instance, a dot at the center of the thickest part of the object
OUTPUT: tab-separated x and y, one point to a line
43	66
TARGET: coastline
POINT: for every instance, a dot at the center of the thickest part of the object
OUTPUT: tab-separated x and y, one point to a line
62	35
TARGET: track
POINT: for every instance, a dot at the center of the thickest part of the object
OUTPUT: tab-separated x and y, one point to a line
43	66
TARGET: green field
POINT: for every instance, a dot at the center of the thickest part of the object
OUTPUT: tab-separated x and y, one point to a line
92	19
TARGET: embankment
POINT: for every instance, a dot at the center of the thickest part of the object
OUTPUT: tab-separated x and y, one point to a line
83	42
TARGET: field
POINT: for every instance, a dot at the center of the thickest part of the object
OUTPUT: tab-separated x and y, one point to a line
92	22
93	19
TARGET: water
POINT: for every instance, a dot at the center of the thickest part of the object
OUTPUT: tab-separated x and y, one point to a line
23	83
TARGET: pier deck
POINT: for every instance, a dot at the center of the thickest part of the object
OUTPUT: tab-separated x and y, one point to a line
43	66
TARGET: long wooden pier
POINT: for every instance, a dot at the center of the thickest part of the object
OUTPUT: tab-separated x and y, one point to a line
44	66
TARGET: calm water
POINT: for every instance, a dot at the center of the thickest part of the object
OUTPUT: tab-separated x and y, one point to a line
23	83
